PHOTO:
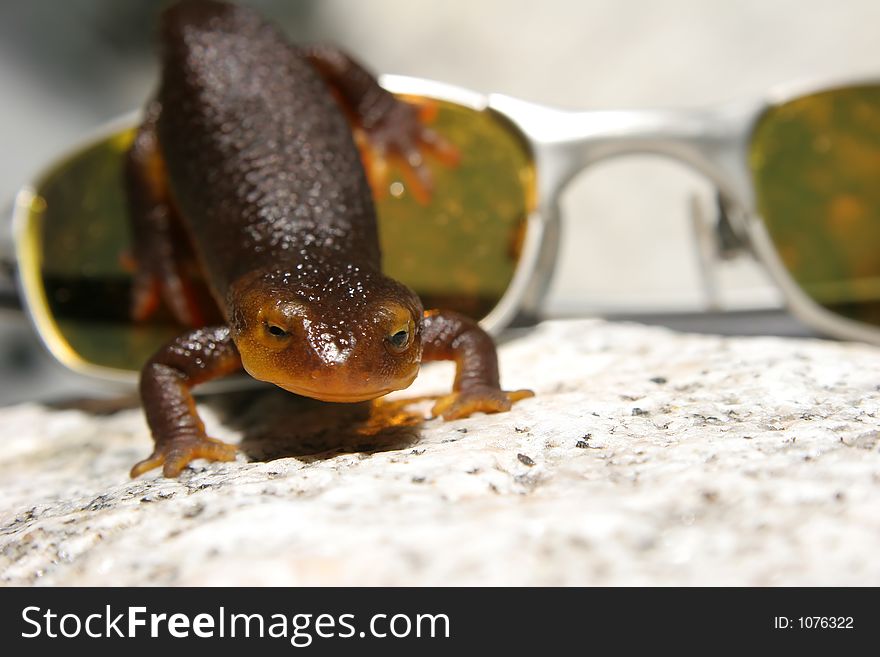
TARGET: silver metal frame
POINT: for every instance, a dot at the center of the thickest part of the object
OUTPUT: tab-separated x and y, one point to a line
714	141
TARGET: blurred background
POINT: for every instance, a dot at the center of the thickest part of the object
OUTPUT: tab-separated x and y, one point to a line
628	247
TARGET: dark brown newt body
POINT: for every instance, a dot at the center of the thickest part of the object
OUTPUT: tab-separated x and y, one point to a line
260	157
247	148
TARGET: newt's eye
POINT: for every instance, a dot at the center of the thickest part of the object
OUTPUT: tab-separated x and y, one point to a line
398	341
276	331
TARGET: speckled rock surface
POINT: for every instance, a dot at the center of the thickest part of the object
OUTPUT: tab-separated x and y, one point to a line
647	457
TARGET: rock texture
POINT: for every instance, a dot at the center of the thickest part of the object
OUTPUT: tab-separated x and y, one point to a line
647	457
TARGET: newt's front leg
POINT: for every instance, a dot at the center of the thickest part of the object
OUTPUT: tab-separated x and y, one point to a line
449	336
166	379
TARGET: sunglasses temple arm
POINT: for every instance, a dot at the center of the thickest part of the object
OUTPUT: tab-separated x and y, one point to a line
716	242
707	253
9	298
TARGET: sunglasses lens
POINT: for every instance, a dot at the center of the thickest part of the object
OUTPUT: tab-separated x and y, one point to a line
78	241
458	248
816	167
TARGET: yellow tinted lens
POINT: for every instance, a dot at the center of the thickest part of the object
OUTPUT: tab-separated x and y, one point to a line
816	167
458	251
79	241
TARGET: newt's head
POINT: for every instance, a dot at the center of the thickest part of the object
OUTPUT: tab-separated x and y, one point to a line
342	335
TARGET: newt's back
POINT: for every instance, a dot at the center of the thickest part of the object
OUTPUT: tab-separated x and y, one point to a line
260	157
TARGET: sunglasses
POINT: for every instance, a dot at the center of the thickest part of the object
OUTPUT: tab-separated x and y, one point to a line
797	174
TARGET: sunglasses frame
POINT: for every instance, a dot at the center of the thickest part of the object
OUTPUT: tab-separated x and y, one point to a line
715	141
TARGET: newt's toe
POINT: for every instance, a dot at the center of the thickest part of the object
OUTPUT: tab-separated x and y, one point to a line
403	140
479	400
176	454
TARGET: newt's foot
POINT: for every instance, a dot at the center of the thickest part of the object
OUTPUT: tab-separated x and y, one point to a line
402	137
477	400
176	454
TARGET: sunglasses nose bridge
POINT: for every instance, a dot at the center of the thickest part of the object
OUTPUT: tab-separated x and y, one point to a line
712	141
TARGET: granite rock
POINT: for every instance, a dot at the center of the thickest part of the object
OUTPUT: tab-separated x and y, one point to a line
646	457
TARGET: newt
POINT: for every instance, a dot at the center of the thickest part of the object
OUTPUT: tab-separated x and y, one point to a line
245	164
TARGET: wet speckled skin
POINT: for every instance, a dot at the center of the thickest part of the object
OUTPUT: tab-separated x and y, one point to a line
260	157
248	149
